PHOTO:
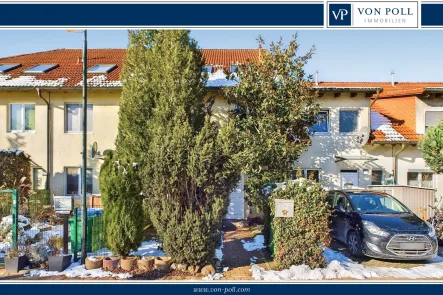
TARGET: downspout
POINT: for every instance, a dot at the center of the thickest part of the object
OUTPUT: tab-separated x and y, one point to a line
394	162
48	135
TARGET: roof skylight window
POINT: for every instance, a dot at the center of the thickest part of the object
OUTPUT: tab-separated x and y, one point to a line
101	69
41	69
8	67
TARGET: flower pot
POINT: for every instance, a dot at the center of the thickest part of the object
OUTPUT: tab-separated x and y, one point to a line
16	264
128	263
146	263
94	262
59	263
162	263
111	263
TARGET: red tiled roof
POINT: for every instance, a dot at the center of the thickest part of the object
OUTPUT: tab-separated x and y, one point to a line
227	57
71	67
399	88
401	112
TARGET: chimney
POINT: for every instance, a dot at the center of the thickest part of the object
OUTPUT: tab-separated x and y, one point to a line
316	78
392	78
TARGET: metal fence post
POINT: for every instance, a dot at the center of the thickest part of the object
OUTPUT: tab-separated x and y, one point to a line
15	206
74	234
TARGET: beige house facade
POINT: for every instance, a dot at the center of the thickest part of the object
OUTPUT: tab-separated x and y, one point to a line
367	136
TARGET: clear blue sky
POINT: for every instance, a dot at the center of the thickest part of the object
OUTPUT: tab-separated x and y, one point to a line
341	55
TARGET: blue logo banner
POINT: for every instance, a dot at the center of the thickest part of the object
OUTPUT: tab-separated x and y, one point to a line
176	15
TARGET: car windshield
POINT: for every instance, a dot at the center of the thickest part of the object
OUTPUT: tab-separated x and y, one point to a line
376	204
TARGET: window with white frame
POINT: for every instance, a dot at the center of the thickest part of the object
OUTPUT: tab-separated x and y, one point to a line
37	179
421	179
377	177
348	121
432	118
322	125
21	117
74	118
74	181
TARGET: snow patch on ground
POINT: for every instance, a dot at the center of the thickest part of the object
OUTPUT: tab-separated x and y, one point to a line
340	266
75	270
256	244
210	277
149	248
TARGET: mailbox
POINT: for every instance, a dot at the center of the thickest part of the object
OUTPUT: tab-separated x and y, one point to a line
63	204
284	208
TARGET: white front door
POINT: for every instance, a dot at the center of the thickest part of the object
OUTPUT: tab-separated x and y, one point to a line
349	179
236	208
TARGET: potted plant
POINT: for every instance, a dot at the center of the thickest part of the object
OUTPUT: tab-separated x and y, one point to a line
128	263
58	261
93	262
146	263
15	261
110	263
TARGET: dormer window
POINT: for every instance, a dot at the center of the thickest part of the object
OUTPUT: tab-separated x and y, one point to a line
233	68
8	67
41	69
102	69
207	69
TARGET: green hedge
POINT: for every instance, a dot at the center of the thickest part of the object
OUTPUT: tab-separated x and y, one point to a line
298	239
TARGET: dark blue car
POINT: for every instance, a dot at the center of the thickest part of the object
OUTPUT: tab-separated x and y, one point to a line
377	225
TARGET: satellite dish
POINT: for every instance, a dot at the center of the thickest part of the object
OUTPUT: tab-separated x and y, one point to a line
362	136
94	151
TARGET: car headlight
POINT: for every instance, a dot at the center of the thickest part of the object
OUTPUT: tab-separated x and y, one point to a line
375	230
431	232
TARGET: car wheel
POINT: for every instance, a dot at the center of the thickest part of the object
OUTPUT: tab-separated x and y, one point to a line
354	244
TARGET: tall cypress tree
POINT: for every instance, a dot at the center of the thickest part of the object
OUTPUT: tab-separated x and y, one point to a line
188	165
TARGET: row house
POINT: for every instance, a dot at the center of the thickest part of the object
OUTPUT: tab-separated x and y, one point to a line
368	134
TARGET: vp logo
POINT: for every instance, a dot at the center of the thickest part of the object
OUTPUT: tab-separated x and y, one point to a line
340	14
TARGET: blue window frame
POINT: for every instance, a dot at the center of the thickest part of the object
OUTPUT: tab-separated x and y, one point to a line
322	125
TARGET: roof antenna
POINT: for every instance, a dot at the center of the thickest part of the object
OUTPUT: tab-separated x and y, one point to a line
316	78
392	78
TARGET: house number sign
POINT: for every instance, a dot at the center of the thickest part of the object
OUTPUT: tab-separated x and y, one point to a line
284	208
